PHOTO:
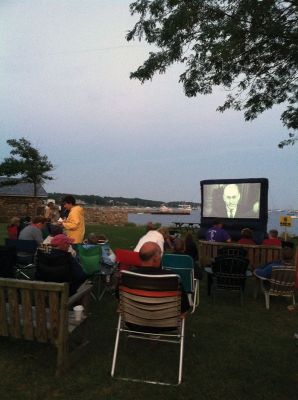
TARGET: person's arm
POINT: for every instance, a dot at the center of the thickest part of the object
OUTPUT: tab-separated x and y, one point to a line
37	235
72	222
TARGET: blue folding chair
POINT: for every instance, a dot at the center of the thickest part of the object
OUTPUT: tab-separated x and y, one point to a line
183	266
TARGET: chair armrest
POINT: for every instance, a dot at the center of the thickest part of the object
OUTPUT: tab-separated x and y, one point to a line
83	291
260	277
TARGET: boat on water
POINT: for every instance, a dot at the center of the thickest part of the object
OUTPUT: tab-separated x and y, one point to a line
164	210
293	214
184	207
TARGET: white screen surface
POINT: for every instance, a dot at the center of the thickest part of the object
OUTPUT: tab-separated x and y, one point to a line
239	200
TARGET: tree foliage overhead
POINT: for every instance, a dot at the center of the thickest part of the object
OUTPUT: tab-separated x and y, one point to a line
249	47
25	164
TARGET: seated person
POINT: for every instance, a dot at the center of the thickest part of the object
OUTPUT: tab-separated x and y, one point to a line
190	249
157	236
108	257
217	234
34	230
178	246
287	255
14	228
60	245
150	255
272	239
246	237
55	230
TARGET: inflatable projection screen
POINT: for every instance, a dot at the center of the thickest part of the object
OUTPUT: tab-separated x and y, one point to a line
237	202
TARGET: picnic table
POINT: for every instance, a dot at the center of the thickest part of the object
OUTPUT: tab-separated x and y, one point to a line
186	225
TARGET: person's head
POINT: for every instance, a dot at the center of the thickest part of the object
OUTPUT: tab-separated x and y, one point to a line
15	221
68	202
273	234
217	223
92	238
150	226
231	195
164	231
188	240
287	254
179	245
101	238
62	242
39	221
150	255
246	233
50	204
55	230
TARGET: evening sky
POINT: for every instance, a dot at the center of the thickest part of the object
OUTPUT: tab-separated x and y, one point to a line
65	86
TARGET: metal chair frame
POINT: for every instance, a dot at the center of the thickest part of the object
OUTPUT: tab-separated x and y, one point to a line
24	263
150	309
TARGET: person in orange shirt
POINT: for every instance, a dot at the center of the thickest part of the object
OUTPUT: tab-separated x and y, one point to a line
74	224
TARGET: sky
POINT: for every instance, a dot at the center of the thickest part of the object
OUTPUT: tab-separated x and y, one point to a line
65	87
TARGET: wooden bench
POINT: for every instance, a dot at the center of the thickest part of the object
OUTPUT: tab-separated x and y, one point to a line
257	255
39	311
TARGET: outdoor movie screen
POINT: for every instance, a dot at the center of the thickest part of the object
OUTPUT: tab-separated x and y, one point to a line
231	200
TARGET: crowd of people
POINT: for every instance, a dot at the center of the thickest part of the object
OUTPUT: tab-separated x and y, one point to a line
61	232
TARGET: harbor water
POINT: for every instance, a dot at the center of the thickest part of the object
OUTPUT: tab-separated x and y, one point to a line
168	219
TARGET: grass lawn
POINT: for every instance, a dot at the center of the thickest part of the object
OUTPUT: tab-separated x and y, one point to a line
231	352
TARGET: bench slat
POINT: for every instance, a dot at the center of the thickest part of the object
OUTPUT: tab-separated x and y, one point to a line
27	315
41	316
14	313
3	316
54	305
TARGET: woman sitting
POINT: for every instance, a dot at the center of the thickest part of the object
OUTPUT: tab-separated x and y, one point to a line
246	237
13	229
58	265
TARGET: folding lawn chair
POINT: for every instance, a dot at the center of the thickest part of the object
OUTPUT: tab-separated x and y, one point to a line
150	309
26	250
183	265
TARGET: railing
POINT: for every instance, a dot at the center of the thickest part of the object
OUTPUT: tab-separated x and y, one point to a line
257	255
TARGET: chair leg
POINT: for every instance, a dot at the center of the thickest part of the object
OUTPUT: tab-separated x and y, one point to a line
294	301
116	347
196	299
181	351
241	297
267	299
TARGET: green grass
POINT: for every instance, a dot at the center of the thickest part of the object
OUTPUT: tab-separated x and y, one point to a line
231	352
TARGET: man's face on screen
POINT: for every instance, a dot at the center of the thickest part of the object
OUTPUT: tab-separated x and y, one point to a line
231	196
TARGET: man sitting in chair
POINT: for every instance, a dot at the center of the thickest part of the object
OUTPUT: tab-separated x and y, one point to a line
150	255
265	272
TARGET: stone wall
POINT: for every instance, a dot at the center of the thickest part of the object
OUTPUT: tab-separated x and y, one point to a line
102	215
32	206
14	206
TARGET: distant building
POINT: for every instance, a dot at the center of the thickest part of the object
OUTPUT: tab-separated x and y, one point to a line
18	200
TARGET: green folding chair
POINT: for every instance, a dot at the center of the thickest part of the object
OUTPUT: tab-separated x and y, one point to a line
90	259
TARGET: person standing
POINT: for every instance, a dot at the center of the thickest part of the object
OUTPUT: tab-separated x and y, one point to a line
74	223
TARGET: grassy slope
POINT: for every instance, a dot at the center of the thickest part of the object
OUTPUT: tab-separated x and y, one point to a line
230	353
